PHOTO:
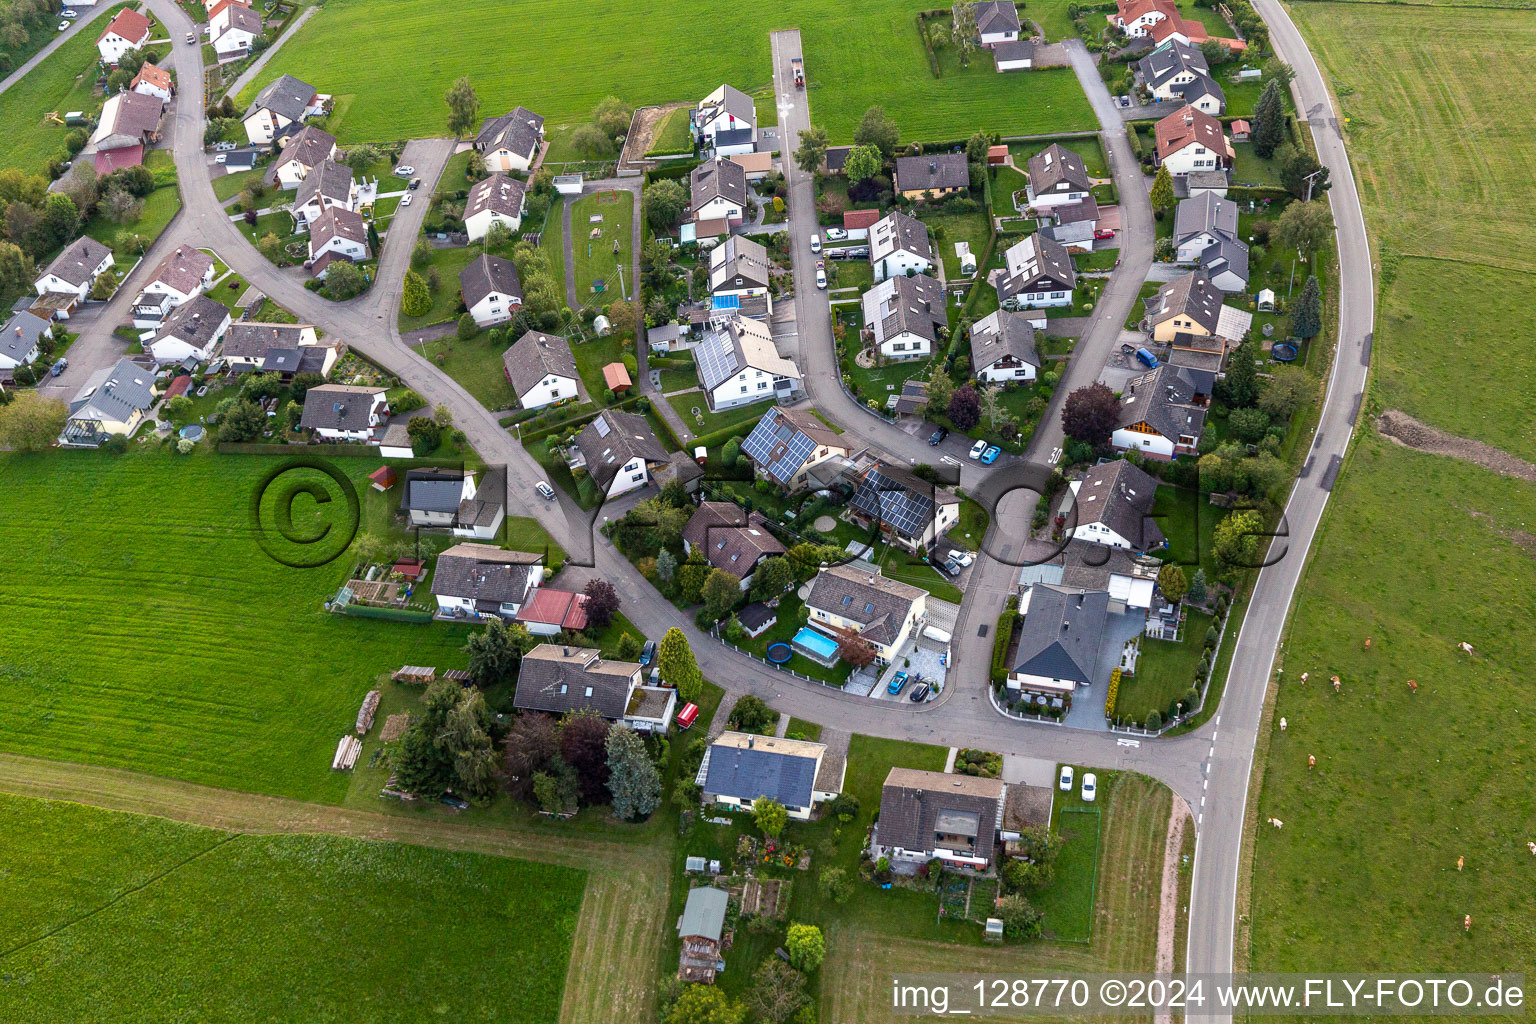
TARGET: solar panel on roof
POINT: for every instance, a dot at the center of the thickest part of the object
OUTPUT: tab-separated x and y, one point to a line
880	497
777	447
601	426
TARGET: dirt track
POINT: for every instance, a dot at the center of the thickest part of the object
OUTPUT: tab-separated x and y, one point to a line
1403	429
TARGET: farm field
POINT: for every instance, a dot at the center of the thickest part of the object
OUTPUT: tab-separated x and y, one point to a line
394	921
585	54
190	652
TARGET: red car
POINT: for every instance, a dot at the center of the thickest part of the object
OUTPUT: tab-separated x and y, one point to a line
1103	233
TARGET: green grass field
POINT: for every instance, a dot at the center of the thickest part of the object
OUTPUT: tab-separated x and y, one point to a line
671	135
190	652
445	301
594	257
583	54
476	364
1164	672
221	925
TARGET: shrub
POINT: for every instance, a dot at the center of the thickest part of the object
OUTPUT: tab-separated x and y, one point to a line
1114	693
1154	721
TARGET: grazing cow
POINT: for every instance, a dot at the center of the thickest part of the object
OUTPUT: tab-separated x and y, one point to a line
1282	729
1460	863
1277	822
1367	643
1311	761
1466	923
1413	686
1336	684
1464	647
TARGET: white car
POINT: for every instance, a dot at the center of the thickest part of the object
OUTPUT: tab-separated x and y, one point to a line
962	558
1066	778
404	171
821	274
221	158
405	200
63	26
977	449
836	234
1090	787
815	243
545	491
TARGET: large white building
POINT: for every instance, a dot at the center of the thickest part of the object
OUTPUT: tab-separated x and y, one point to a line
904	316
900	244
725	122
541	370
498	199
739	364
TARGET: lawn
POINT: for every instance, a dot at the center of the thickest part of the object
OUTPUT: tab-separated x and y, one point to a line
445	301
104	886
1068	903
810	730
129	240
745	415
672	134
192	654
594	256
1087	147
476	364
899	565
782	632
853	52
64	81
1165	671
591	357
947	229
227	186
1250	169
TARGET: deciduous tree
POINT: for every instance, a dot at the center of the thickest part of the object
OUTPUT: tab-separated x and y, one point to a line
964	407
774	575
777	993
602	602
463	107
1020	919
705	1004
1236	539
1286	389
812	150
877	129
584	746
664	202
806	945
496	651
1090	414
720	592
862	162
530	746
31	422
770	816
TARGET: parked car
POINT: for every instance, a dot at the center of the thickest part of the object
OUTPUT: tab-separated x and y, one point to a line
1104	233
648	652
920	693
859	252
937	437
63	26
192	38
1090	787
59	366
404	171
453	801
1066	778
545	491
69	13
821	274
950	567
815	243
1147	357
977	449
221	158
414	185
836	234
962	557
897	684
405	200
990	455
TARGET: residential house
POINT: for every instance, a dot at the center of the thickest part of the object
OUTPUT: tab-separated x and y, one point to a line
740	267
932	175
845	600
731	539
1074	224
541	370
725	122
21	341
926	815
908	510
491	289
191	330
899	245
154	81
550	612
112	402
795	450
74	271
307	149
345	412
1036	272
718	199
129	122
859	223
1112	506
267	348
1018	55
757	165
618	450
1201	357
738	768
454	499
497	199
1205	232
1129	578
128	30
1190	305
738	364
510	142
904	315
1060	632
184	273
1003	348
150	310
1161	22
1162	414
701	929
1179	71
669	338
1057	176
556	679
232	29
1189	140
480	580
282	102
336	234
329	185
997	21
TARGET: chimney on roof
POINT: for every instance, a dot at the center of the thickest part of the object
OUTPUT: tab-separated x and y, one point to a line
933	167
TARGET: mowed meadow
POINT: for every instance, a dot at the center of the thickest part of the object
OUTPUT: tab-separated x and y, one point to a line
389	63
125	917
145	628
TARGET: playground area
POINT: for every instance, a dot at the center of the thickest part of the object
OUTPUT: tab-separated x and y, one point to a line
602	237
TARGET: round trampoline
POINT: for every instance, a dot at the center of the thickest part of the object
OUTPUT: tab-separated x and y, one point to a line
779	653
192	432
1283	351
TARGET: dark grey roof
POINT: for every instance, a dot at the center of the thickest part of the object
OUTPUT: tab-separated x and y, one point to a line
899	232
243	18
1000	334
1061	633
482	572
750	772
486	274
837	156
535	356
78	261
1119	495
115	393
338	407
499	193
252	340
718	178
730	538
20	335
912	803
879	604
1192	297
785	439
194	321
1201	85
329	179
1205	212
489	502
432	490
337	222
738	262
1057	169
732	137
1090	566
285	96
1169	60
903	304
996	16
1162	398
1035	264
281	360
933	171
308	147
756	616
517	132
184	269
1225	254
612	439
732	101
703	914
556	679
894	497
1012	50
1085	209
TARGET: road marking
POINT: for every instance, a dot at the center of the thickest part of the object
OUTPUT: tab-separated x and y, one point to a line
1199	820
1213	739
1128	743
1205	785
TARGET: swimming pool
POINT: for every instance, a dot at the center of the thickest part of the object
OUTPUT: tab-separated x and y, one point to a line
816	645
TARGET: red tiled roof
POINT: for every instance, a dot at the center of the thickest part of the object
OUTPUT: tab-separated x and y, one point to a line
129	24
1184	127
178	387
616	376
157	77
854	220
109	160
384	476
555	608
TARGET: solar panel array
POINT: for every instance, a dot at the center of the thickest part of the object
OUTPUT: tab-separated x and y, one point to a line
716	356
777	447
601	426
883	499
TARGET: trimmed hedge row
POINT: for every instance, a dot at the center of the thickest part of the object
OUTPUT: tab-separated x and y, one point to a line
1002	640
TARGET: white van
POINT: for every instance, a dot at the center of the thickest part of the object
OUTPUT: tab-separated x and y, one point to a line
815	243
